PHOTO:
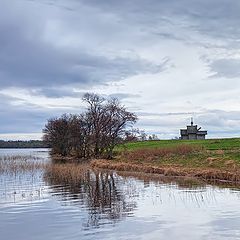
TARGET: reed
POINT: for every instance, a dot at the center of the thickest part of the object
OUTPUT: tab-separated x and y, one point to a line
20	163
69	173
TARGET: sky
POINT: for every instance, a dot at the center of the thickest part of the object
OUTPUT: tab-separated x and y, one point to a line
166	60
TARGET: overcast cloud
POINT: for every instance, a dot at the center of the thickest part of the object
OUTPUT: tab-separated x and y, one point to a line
167	60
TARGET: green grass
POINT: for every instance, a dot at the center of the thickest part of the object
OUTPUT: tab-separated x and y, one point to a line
208	144
214	153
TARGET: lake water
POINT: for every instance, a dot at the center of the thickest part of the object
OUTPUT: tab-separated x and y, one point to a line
107	205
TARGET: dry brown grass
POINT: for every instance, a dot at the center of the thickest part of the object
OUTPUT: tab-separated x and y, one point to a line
204	174
67	172
150	154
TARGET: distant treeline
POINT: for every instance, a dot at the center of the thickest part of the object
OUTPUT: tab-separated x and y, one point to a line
23	144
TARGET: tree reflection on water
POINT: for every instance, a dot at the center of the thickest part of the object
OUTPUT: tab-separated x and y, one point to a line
101	193
109	197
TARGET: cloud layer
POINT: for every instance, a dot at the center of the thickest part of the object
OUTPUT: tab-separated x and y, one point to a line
166	60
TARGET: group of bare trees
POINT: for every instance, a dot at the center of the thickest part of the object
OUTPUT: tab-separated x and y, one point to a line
93	133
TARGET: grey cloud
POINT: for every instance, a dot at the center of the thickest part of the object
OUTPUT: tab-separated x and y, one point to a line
216	18
166	114
229	68
25	63
94	42
55	92
21	117
220	123
16	118
220	118
122	96
27	60
169	19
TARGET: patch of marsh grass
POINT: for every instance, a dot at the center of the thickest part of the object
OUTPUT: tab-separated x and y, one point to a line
20	163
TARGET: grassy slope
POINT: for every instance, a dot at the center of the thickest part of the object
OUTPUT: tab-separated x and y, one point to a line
209	144
211	160
214	153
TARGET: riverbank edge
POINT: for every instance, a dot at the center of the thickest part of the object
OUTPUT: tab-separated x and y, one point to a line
208	174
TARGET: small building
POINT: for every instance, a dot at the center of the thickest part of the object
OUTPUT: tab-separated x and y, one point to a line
192	132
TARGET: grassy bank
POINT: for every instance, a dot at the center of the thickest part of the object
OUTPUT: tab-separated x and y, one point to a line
209	144
215	159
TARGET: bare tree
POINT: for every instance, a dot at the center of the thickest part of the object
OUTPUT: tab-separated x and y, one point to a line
94	115
131	135
153	137
94	133
118	119
143	136
56	132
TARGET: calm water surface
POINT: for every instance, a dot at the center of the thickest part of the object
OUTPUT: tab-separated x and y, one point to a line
106	205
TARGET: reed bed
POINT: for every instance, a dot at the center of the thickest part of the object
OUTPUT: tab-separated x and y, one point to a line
70	173
204	174
18	157
20	163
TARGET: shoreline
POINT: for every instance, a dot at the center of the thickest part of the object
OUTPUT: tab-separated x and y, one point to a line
206	174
